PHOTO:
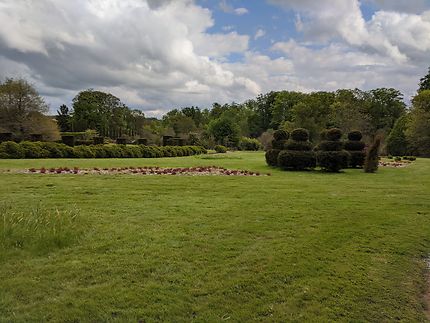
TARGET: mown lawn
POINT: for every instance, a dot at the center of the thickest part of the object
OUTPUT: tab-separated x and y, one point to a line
294	246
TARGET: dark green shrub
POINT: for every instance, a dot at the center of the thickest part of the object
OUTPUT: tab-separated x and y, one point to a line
296	160
272	157
410	158
323	134
397	158
357	158
68	140
5	136
98	140
121	141
300	134
330	156
10	149
333	134
34	150
372	157
354	145
99	151
249	144
355	135
333	161
298	145
142	141
331	145
84	152
278	144
220	149
55	150
281	135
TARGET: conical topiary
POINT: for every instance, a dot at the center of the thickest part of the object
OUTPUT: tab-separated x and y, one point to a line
280	137
330	155
298	154
355	147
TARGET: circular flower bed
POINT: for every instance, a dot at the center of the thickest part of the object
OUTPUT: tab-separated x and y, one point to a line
146	170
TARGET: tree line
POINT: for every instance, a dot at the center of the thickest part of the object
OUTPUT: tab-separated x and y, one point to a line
379	111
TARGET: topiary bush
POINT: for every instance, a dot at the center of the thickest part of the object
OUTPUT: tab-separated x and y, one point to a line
355	147
220	149
330	155
300	134
281	135
296	159
297	153
372	157
272	157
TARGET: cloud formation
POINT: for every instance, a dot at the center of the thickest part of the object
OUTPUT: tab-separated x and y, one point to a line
156	55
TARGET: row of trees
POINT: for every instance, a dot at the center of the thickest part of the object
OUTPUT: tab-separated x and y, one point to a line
379	111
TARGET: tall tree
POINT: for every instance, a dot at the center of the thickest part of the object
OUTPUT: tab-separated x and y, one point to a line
19	104
425	82
64	119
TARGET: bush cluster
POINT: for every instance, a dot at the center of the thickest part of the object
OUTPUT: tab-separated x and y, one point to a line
220	149
26	149
250	144
355	148
330	154
280	137
297	153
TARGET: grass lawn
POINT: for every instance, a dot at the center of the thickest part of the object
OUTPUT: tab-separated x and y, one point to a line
294	246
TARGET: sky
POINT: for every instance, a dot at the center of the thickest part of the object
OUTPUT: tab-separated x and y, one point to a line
156	55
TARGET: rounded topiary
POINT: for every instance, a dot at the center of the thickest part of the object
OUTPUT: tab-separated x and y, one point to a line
355	147
278	144
300	134
331	156
333	134
298	145
281	134
272	157
355	135
298	154
296	159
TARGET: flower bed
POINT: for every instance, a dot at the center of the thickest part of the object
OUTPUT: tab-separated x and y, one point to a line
394	164
145	170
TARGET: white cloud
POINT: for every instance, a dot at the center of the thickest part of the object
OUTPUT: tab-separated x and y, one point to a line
260	33
152	54
227	8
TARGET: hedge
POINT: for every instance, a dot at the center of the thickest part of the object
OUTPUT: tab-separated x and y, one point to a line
296	159
26	149
272	157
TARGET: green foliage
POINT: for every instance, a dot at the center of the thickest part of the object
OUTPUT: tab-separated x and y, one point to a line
372	156
333	134
225	131
272	157
355	135
397	158
354	145
279	144
330	156
356	158
250	144
331	145
300	134
296	160
298	145
220	149
397	143
425	82
12	150
281	134
333	161
418	125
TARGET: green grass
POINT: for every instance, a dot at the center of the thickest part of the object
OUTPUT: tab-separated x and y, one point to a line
294	246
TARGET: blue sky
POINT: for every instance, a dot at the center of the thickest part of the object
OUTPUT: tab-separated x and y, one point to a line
156	55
